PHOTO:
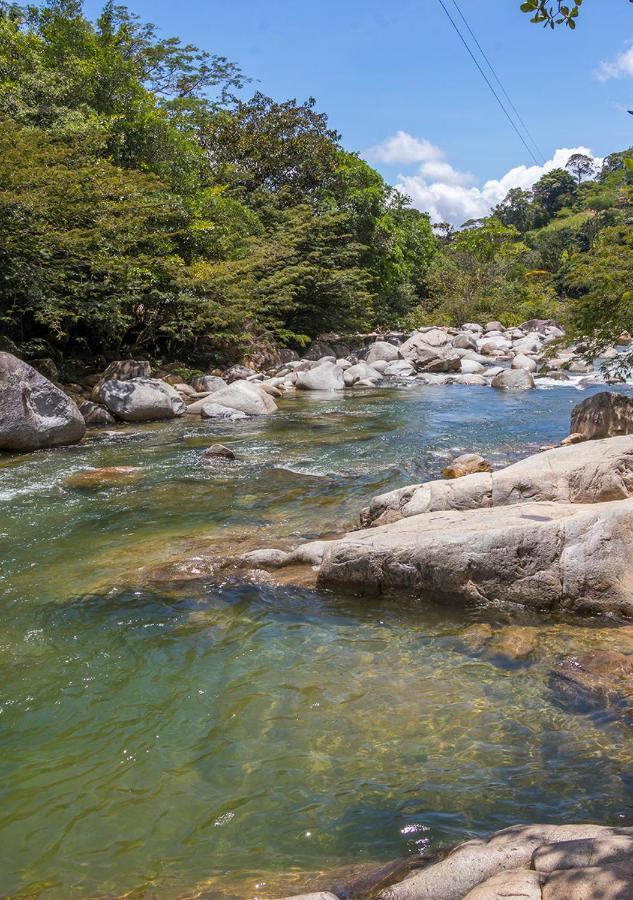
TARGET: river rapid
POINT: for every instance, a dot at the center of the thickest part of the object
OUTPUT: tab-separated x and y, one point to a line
165	733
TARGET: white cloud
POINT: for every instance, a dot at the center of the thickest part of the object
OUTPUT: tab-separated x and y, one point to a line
452	196
405	149
615	68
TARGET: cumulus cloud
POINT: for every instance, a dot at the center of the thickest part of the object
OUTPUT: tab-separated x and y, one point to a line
615	68
449	195
405	149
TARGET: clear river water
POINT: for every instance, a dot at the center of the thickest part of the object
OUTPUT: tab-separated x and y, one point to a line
166	734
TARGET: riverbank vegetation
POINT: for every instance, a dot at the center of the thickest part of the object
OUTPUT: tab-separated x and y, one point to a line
148	208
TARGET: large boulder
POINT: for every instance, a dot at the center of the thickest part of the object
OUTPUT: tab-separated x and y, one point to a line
244	396
141	399
465	341
592	472
34	413
326	377
604	415
576	557
471	367
513	380
382	350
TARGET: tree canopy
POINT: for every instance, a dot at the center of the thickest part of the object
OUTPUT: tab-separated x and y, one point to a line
147	204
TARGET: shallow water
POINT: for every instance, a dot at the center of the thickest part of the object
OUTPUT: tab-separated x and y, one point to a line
163	736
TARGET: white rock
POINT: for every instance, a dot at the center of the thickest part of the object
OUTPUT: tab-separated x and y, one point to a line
382	350
246	397
141	399
326	377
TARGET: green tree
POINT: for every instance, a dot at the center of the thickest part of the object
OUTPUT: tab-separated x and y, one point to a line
554	190
580	165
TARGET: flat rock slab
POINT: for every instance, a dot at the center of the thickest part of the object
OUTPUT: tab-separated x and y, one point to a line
591	472
540	555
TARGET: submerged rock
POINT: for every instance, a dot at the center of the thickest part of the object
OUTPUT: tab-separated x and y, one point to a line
604	415
218	451
34	413
141	399
512	645
104	477
596	679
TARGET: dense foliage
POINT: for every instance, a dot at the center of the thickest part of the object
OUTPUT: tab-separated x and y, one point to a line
147	207
144	207
562	250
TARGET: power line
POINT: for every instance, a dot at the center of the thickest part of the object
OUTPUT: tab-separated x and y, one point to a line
498	80
487	80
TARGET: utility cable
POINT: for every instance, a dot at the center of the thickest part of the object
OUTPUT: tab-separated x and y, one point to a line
487	80
498	80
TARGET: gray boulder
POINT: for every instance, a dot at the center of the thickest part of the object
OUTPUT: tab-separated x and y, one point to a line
34	413
521	361
246	397
604	415
141	399
513	380
95	415
471	367
237	373
208	383
401	368
382	350
326	377
465	341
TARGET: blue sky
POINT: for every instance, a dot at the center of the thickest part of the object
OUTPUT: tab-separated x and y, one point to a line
378	69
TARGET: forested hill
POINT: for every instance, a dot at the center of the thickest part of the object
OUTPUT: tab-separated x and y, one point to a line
144	209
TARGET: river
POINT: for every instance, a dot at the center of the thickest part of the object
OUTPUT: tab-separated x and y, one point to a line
161	733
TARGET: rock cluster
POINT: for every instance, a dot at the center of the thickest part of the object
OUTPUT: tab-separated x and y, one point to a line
553	531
